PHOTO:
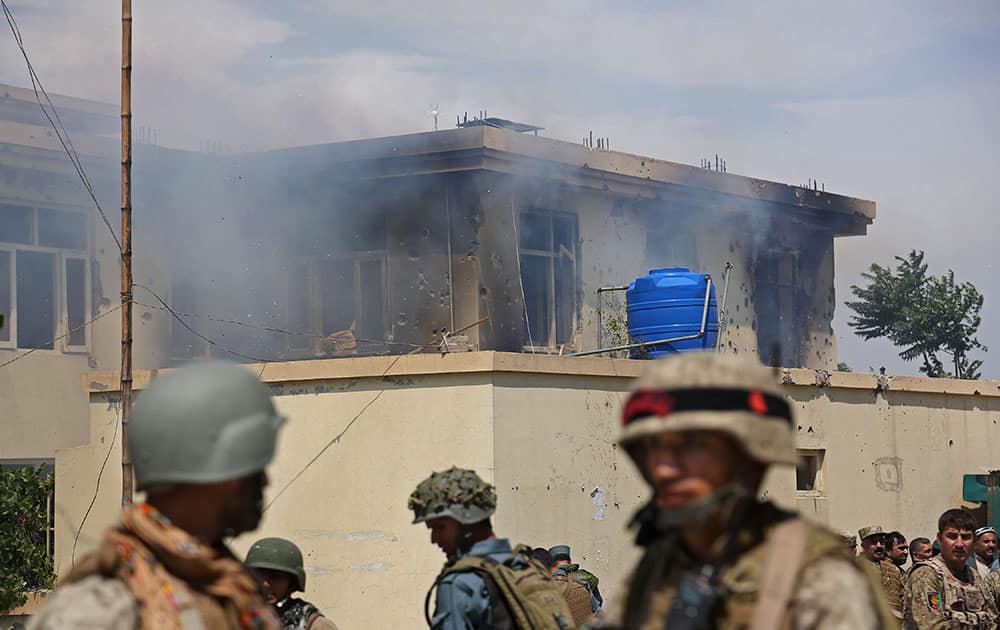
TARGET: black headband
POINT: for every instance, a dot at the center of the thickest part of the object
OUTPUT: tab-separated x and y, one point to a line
664	403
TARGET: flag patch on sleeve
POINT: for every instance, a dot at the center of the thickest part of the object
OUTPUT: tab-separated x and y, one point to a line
934	601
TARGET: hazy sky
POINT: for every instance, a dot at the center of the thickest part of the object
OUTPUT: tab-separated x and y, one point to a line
891	101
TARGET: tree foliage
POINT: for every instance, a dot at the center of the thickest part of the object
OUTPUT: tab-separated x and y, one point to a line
926	316
25	564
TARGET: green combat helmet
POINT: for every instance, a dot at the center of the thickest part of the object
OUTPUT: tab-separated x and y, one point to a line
202	423
456	492
278	554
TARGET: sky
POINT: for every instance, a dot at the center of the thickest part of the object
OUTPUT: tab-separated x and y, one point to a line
891	101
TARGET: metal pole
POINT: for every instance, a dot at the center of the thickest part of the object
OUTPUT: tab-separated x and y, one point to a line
722	311
451	271
126	292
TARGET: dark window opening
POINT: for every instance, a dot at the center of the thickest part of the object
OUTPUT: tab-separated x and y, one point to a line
62	229
809	471
16	224
548	258
6	293
778	342
298	307
36	290
76	301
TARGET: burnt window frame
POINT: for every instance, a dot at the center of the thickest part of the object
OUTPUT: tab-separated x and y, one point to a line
790	343
314	332
551	341
61	335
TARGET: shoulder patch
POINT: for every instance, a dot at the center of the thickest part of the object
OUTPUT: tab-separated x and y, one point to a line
934	600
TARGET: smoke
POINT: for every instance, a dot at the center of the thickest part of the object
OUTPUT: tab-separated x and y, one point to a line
890	101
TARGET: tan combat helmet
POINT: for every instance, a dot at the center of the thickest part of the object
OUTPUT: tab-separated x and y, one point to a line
715	392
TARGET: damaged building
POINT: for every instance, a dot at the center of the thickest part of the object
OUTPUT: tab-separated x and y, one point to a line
381	245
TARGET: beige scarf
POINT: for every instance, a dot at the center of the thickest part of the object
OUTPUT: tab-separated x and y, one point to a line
173	575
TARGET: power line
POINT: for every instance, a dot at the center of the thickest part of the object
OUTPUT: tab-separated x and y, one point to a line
335	439
195	332
61	133
273	329
97	486
61	337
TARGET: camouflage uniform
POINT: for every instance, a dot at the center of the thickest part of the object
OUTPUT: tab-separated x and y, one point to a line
937	598
780	571
892	582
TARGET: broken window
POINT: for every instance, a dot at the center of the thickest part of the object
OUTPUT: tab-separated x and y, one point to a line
44	278
548	257
809	472
337	293
775	297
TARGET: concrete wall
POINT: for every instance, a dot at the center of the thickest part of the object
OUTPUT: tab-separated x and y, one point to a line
542	429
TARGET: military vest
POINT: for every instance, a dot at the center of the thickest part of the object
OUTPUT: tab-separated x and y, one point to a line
964	603
740	603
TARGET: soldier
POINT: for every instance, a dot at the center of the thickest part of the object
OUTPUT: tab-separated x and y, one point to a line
872	543
456	505
874	546
944	592
703	429
200	438
920	549
278	564
571	588
897	550
851	542
566	566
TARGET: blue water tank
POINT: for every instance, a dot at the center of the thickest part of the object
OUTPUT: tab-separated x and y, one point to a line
669	303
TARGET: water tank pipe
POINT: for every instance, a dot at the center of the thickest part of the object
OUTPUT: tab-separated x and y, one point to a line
650	344
722	309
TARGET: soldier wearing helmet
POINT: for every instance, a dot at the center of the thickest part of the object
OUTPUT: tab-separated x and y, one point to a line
278	564
200	438
703	429
456	505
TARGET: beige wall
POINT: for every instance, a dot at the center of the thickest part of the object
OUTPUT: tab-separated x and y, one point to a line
541	428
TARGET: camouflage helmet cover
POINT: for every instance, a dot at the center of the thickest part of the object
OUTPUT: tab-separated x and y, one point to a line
278	554
456	492
709	391
202	423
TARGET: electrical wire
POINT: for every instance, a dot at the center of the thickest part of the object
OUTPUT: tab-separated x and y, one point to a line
61	133
61	337
97	486
335	439
194	332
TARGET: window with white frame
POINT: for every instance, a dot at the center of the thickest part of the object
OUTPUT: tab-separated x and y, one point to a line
548	259
44	278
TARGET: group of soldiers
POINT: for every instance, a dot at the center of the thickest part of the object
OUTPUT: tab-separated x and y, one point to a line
702	430
956	573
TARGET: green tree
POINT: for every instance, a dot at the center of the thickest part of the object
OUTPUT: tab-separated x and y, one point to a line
926	316
25	564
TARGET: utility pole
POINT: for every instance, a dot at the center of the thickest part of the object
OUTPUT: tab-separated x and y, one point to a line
126	372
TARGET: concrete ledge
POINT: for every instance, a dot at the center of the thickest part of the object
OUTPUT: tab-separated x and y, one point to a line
35	601
490	361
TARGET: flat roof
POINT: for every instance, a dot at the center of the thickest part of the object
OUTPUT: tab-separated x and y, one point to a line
489	361
615	172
